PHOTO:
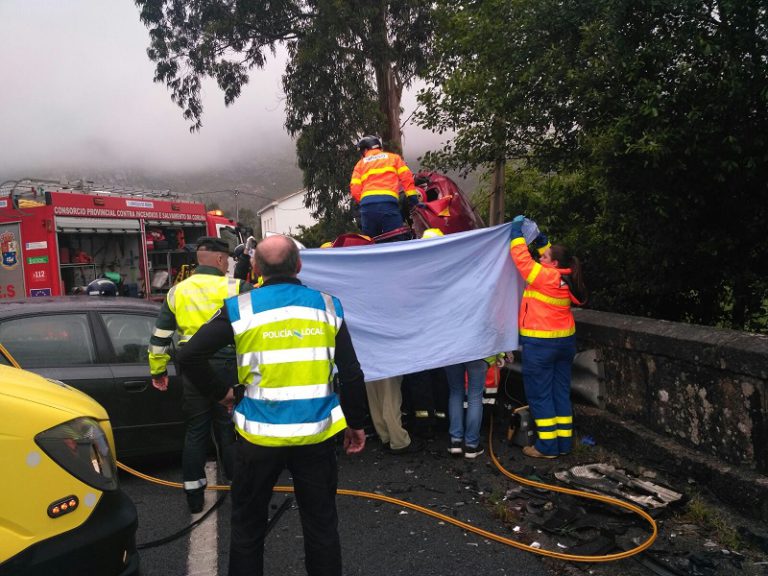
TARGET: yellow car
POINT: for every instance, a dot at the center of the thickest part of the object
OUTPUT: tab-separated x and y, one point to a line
62	509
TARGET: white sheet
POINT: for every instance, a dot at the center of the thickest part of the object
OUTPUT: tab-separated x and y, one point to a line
422	304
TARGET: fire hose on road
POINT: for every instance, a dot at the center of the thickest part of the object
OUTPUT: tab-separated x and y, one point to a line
447	519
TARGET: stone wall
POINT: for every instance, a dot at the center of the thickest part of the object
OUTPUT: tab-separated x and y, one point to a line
706	388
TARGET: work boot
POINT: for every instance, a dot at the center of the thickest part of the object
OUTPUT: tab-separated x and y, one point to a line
195	500
532	452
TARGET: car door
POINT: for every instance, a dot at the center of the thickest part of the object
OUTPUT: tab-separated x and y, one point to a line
150	420
60	346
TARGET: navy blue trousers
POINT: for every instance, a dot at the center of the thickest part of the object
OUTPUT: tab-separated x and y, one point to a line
547	380
380	217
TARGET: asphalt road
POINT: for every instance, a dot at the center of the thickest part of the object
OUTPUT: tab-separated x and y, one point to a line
377	538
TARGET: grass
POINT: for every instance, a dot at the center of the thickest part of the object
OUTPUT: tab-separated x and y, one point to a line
501	509
699	512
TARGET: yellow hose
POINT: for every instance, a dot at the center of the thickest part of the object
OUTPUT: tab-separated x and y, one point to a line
469	527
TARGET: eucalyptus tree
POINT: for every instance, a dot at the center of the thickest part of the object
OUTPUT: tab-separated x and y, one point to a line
349	61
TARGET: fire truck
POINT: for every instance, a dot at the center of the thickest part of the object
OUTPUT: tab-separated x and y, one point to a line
55	239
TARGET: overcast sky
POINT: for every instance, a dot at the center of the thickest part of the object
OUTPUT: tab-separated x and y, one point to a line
77	90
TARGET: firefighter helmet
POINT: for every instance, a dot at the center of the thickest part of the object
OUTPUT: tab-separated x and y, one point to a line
101	287
432	233
368	143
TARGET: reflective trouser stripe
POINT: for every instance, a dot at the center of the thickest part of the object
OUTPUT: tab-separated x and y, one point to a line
546	377
190	485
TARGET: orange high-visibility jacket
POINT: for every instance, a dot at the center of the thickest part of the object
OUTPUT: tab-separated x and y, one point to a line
545	311
378	176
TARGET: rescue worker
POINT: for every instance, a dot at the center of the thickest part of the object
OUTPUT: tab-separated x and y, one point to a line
288	338
188	305
375	186
547	335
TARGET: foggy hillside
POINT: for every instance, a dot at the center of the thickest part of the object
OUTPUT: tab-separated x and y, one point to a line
258	180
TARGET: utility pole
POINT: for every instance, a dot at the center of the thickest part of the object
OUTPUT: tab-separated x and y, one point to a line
237	206
496	211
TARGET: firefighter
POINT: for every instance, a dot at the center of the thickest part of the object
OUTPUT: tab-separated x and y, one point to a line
288	337
188	305
375	186
547	335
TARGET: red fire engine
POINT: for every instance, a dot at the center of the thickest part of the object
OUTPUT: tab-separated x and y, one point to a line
56	239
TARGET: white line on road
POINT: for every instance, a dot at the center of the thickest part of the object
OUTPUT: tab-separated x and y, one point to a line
203	558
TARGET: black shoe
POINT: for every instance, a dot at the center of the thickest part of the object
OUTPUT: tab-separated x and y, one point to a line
455	447
195	501
473	451
416	445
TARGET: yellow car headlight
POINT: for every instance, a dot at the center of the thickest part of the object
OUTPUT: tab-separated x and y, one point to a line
81	448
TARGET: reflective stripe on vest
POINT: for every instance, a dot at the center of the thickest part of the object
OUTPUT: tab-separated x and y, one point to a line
285	337
197	298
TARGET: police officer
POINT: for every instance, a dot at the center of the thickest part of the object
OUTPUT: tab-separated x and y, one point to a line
188	305
287	338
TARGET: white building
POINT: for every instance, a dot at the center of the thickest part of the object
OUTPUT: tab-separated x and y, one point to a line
285	215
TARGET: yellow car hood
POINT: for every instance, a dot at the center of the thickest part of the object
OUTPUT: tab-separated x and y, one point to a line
53	394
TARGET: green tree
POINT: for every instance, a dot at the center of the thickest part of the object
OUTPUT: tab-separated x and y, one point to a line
349	61
652	114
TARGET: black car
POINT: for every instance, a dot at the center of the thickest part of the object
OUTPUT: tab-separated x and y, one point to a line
99	345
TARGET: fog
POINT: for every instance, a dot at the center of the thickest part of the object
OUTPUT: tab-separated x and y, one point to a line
78	92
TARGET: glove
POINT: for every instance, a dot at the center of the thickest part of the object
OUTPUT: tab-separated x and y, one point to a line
250	245
413	201
541	243
516	230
